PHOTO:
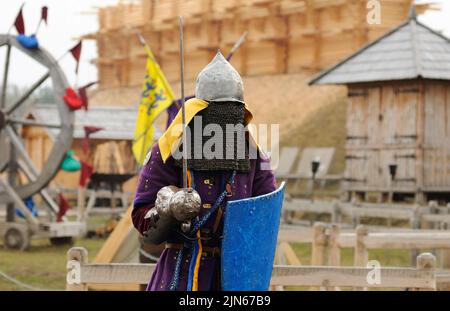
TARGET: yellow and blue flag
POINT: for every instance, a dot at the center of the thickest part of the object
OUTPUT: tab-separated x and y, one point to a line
157	96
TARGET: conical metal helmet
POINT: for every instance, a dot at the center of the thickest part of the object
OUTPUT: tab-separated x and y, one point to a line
219	82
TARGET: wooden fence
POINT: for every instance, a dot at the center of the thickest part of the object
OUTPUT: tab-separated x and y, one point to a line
80	274
328	240
431	216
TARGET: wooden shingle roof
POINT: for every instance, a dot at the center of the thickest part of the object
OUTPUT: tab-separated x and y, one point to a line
118	123
410	51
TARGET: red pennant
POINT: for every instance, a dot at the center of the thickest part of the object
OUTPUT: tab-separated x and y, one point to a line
83	94
44	14
19	23
86	172
64	206
72	99
88	130
76	52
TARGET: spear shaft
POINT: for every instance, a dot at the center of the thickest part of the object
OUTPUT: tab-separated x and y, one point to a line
183	109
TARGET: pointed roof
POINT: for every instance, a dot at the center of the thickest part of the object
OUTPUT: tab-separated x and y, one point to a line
118	123
410	51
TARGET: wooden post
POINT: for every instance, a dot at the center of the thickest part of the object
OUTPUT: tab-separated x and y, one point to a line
427	262
445	259
445	253
361	252
76	258
336	217
414	221
415	224
335	250
434	210
355	216
319	244
81	202
334	255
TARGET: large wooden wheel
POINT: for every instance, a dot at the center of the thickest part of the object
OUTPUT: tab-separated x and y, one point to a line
13	155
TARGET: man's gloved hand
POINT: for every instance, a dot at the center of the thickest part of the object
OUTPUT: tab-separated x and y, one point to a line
172	207
153	217
182	204
159	228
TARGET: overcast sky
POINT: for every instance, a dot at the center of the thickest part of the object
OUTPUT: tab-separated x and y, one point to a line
68	19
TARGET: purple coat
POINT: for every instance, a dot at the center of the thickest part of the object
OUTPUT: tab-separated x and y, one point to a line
156	175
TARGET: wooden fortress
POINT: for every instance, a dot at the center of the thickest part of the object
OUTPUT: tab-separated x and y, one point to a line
287	42
398	119
284	36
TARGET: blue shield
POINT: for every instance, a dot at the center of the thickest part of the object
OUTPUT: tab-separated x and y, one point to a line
249	241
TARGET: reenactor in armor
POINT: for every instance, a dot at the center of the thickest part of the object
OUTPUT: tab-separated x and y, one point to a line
190	221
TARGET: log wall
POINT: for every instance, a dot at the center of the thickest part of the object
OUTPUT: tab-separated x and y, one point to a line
284	36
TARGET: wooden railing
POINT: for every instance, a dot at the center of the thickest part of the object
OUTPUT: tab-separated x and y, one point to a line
430	216
328	240
81	273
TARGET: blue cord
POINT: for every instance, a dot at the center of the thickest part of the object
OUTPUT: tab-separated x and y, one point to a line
199	224
176	274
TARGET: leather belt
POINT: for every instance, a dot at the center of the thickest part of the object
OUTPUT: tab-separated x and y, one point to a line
206	250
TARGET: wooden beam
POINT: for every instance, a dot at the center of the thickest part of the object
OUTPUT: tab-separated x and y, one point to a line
27	94
80	273
5	77
29	122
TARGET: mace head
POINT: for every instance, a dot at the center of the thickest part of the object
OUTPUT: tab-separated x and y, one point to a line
185	204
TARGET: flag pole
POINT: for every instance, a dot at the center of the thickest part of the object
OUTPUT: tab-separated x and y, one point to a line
38	26
237	45
152	57
44	12
145	45
147	127
183	108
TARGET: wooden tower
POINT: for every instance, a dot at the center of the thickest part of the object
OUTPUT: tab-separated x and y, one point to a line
398	118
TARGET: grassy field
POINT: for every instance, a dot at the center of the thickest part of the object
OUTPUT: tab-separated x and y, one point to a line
42	266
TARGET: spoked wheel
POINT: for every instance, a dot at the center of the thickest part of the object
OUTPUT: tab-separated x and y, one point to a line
14	157
16	238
